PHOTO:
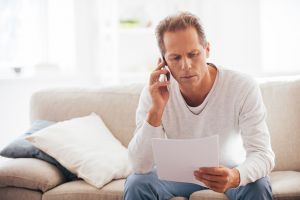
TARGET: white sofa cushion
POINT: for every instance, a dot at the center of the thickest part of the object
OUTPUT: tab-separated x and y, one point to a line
86	147
78	190
285	185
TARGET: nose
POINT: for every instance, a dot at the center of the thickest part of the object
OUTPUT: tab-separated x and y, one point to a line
186	64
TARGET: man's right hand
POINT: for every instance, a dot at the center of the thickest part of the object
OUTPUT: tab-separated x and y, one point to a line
159	94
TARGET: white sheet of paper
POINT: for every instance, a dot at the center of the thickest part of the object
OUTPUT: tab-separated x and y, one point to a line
177	159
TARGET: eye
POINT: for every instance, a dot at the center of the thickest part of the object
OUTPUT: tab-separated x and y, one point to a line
176	58
194	54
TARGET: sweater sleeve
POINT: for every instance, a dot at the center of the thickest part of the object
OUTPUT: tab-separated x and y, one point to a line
256	138
140	147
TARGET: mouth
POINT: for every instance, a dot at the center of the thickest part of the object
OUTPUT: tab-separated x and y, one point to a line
188	77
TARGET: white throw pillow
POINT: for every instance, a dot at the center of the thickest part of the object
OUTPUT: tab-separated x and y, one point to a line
86	147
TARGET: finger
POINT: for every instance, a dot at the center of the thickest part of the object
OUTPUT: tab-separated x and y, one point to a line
213	171
158	84
155	75
160	71
160	64
209	177
211	185
159	88
213	178
159	60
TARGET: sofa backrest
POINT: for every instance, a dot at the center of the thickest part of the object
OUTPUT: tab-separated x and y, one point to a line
117	106
282	100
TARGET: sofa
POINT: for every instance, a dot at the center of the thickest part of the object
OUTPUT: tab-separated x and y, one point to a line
33	179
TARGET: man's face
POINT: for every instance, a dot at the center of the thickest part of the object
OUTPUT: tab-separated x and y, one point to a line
185	56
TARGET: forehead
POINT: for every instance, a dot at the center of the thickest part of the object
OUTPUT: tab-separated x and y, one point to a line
181	41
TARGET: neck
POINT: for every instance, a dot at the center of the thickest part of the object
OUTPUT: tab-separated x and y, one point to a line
196	94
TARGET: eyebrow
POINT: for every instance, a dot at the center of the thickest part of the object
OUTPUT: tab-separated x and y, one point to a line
192	51
173	54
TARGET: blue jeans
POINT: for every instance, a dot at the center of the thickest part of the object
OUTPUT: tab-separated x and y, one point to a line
148	186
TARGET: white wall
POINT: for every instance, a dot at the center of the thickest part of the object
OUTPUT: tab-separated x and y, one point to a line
280	38
233	29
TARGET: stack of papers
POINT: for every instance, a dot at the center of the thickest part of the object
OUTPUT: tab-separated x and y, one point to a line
177	159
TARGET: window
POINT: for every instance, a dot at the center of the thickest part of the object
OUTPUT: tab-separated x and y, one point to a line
36	36
20	34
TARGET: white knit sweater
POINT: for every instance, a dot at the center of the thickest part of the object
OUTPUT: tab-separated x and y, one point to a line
233	109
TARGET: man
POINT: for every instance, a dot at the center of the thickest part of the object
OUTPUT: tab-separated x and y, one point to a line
200	99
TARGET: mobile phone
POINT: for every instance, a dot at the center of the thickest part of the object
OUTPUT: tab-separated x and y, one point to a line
163	77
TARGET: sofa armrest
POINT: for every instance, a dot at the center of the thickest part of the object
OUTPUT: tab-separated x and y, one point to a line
30	173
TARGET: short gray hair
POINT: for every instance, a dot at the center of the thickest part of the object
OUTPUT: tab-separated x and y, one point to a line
179	21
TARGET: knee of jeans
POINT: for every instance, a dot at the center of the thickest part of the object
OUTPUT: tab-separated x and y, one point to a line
261	185
135	181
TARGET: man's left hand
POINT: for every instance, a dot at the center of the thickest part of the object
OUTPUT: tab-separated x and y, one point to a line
218	179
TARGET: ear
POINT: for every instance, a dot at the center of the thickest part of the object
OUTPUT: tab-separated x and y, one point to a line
207	49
